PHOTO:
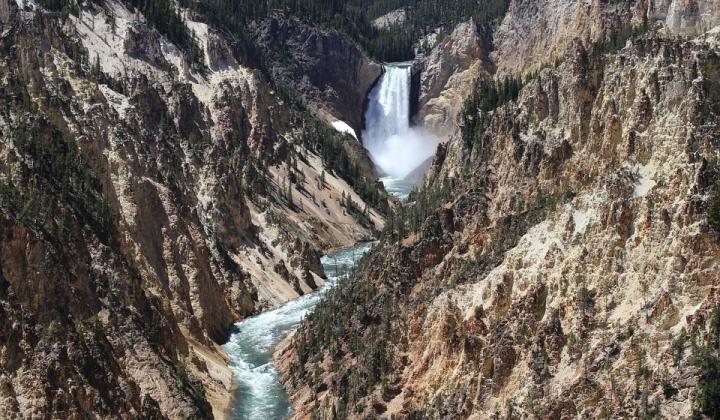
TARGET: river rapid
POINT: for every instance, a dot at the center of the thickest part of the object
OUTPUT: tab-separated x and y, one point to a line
397	149
259	393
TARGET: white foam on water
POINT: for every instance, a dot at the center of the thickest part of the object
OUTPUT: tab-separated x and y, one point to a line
399	187
260	394
395	147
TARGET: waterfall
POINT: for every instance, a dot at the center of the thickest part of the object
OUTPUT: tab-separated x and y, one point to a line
388	111
395	147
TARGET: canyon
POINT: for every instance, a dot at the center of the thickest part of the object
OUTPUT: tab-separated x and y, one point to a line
150	201
564	257
527	214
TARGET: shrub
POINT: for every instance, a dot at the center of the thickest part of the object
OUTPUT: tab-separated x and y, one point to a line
707	361
713	212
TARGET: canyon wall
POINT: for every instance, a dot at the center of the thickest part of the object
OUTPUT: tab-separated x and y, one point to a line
566	254
334	75
447	75
148	203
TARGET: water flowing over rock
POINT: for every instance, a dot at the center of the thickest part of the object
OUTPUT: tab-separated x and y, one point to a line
569	253
259	391
395	146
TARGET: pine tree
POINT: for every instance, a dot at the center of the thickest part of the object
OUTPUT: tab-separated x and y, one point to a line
97	71
289	195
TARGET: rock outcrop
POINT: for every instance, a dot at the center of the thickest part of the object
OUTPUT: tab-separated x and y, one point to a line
533	34
146	193
395	17
529	37
331	72
562	253
447	75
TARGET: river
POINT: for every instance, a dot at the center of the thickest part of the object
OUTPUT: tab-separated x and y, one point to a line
259	394
397	149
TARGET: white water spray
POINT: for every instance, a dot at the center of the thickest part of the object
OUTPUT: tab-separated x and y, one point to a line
395	147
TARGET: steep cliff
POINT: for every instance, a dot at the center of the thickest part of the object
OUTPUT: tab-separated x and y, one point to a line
447	75
152	193
562	256
533	34
332	73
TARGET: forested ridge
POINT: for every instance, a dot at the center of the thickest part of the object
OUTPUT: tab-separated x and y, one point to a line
353	18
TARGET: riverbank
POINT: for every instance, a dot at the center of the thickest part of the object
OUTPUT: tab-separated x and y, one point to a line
257	391
211	365
283	356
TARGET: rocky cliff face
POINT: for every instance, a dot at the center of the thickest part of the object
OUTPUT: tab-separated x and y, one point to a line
331	72
564	253
145	207
533	34
447	74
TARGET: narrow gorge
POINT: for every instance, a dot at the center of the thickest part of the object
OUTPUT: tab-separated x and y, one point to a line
259	393
346	209
397	150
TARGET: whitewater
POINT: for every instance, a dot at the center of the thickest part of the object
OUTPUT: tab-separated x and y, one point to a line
259	393
394	145
397	149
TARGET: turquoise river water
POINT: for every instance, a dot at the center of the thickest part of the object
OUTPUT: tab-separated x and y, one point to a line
259	394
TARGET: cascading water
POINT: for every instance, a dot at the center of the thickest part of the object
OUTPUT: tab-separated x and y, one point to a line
397	150
259	394
395	147
388	112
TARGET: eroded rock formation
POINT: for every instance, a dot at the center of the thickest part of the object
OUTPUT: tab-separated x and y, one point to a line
145	196
567	250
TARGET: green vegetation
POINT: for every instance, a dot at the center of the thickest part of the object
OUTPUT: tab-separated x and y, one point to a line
711	182
712	174
358	324
332	147
362	215
489	95
422	203
706	359
194	388
163	16
713	212
353	321
422	17
53	188
154	333
65	7
677	347
160	14
56	184
585	299
669	390
617	40
352	18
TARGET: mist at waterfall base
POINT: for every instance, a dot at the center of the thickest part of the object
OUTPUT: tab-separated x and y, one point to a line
395	147
403	152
